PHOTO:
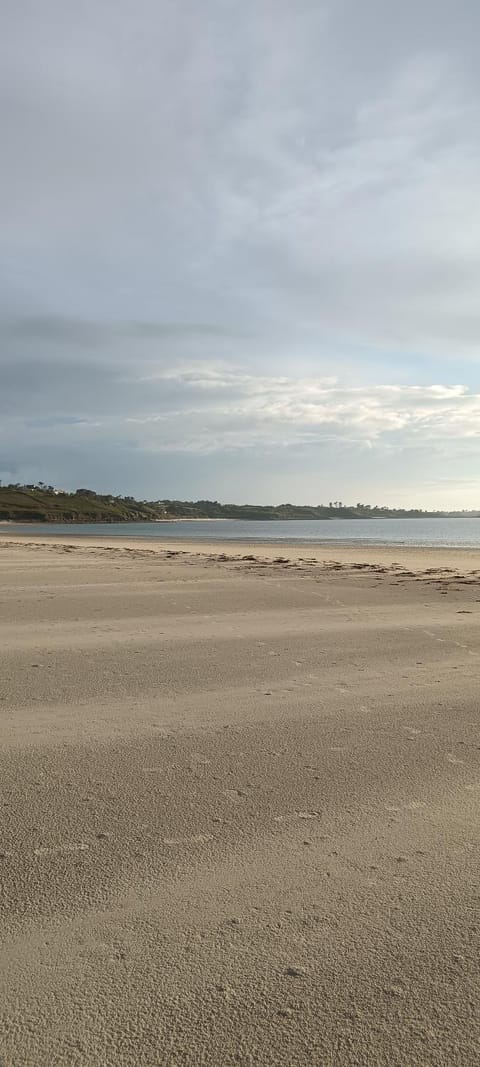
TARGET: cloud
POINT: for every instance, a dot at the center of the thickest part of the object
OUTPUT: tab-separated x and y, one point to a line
223	409
214	408
208	214
264	165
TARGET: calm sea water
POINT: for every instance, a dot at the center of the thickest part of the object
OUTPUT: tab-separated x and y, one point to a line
458	533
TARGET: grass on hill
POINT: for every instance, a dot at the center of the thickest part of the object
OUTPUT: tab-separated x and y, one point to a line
41	503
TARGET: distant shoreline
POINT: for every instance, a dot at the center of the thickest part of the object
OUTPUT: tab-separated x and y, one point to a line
121	522
272	521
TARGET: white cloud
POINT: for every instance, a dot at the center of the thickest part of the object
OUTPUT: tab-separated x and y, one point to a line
207	407
220	408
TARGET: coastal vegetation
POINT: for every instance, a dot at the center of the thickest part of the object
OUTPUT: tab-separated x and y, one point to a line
44	503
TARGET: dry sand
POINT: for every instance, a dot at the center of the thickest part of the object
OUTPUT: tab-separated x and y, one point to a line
240	805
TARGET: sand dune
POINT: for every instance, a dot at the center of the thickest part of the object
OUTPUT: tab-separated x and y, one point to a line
240	805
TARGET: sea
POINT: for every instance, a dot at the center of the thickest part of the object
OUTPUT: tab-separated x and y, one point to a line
440	533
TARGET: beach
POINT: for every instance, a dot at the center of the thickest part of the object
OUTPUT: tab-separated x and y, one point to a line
240	790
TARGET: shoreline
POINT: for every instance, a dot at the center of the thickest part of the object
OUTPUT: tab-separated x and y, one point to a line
127	522
414	557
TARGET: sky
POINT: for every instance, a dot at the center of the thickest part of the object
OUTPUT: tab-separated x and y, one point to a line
240	253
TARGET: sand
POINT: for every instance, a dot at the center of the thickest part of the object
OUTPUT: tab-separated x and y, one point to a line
240	805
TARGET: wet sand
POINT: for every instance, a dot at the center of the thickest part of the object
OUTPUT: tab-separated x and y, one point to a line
240	792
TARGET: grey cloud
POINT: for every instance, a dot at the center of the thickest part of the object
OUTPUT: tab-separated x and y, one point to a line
82	332
286	189
53	330
208	151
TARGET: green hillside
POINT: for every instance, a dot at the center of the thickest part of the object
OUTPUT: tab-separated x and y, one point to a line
41	503
37	504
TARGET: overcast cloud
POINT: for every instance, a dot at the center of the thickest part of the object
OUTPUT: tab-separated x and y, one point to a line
240	248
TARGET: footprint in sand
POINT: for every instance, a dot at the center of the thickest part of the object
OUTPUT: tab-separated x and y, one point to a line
303	815
412	732
60	850
235	794
198	759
